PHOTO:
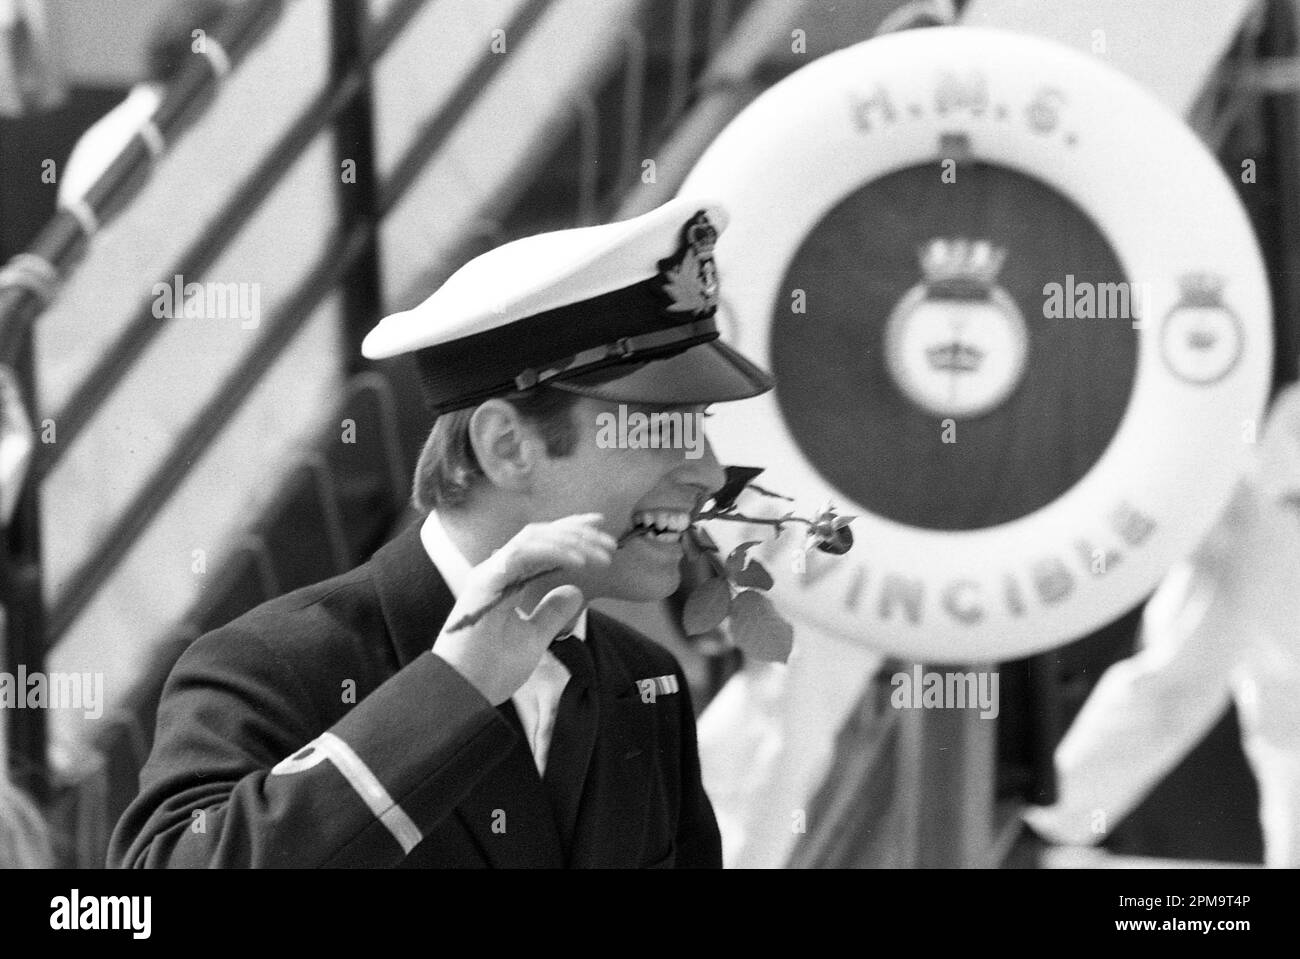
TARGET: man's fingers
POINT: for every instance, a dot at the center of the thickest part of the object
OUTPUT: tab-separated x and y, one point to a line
566	552
586	525
557	547
526	560
568	543
554	612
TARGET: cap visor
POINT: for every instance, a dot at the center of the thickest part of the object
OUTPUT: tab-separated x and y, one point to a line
709	373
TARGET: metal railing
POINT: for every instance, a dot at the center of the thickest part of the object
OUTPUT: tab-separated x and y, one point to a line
28	284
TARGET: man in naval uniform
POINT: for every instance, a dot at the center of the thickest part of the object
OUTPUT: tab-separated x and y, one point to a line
426	710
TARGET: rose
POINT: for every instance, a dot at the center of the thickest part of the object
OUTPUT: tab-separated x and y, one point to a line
732	589
830	533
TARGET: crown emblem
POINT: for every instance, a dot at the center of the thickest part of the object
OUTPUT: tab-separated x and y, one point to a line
1201	290
955	357
689	278
1202	339
961	268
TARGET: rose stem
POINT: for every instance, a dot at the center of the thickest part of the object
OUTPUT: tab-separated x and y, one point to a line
469	619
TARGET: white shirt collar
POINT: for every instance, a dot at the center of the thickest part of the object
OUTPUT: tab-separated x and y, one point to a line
454	567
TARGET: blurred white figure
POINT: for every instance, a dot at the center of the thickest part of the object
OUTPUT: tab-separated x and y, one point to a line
767	741
1224	623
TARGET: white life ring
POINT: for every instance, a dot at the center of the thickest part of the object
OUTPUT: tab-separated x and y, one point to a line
1093	135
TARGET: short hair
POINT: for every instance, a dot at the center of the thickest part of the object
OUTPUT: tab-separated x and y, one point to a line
171	43
448	470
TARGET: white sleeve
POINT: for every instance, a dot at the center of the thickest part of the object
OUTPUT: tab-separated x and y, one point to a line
1147	712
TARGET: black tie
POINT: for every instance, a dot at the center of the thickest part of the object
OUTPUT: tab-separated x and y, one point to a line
574	736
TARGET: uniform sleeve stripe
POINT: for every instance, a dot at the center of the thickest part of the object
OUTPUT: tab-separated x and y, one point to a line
371	790
403	828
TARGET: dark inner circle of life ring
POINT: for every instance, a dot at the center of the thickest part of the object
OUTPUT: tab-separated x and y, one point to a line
850	417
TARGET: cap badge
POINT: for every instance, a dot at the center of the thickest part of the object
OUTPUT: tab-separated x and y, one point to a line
689	278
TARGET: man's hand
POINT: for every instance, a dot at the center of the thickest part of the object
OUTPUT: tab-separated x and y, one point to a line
498	653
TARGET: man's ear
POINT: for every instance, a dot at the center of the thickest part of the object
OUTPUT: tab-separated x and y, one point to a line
504	444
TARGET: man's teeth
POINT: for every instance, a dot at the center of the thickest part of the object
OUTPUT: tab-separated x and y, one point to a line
665	526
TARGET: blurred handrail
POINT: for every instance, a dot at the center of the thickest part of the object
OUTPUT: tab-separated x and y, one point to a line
28	283
733	78
438	126
61	243
122	354
339	255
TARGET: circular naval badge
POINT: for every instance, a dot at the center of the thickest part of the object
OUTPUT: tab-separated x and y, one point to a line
953	354
983	250
952	247
1201	339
